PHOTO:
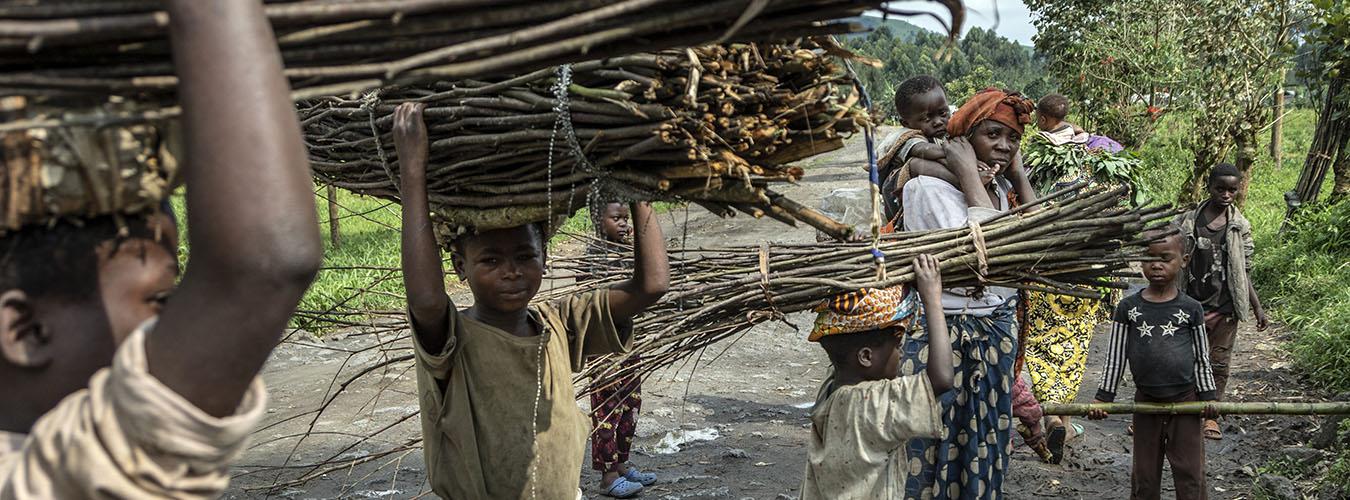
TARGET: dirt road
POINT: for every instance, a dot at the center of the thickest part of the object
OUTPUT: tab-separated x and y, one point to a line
733	424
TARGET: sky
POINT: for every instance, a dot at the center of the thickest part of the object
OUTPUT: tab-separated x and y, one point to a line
1013	19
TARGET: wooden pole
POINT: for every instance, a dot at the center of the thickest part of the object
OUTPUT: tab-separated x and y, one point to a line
333	232
1277	128
1195	407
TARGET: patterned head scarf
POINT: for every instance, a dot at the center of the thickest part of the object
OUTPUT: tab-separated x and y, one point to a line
864	310
1004	106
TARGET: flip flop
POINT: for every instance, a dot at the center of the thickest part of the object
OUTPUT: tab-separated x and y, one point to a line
1077	431
1212	430
623	488
1055	442
637	476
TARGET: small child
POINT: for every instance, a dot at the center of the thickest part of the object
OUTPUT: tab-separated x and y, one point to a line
921	104
1051	113
1219	245
117	382
1160	334
865	415
499	415
614	409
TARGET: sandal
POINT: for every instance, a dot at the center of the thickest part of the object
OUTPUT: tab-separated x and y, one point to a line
1035	442
637	476
1055	443
1212	430
1129	430
1077	431
622	488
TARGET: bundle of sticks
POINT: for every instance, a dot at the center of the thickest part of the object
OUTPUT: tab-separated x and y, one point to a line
75	49
1076	246
714	125
83	171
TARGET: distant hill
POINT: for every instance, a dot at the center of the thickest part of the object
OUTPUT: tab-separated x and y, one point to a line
901	28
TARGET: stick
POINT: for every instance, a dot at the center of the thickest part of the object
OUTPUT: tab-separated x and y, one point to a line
1196	407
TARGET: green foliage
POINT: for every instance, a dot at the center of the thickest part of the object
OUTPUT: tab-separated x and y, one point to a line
980	59
1327	48
1050	164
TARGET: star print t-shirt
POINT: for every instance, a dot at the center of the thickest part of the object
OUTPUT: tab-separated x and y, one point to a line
1164	345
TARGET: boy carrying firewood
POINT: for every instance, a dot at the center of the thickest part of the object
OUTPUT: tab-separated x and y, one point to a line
117	383
499	415
866	413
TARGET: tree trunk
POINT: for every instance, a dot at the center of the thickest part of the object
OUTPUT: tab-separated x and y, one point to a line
333	233
1244	137
1277	128
1341	188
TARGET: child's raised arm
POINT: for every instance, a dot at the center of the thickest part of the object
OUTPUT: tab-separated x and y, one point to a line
651	270
423	276
928	278
252	225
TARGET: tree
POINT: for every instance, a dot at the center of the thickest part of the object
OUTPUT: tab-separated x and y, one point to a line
1237	56
1327	72
1130	61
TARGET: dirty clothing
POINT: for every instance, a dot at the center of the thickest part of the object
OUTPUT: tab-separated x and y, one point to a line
858	436
614	412
932	203
499	414
1179	439
1165	346
1233	256
1222	333
127	436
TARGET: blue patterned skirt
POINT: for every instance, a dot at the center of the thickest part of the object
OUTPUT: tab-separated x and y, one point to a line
972	459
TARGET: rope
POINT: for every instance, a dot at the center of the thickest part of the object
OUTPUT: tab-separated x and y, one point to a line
981	250
874	176
368	103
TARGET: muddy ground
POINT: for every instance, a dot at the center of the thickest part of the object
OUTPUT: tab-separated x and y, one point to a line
732	425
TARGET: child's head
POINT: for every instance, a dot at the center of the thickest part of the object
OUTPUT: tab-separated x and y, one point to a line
1170	254
1224	182
921	104
1051	111
69	294
503	267
614	224
861	331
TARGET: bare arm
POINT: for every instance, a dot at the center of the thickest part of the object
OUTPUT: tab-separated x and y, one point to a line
927	151
931	168
423	276
651	269
961	161
928	274
252	225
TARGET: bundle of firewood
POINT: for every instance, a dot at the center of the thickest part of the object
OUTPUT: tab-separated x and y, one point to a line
76	50
1083	242
83	171
715	125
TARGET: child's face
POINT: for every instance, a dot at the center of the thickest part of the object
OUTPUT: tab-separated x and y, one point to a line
79	337
503	267
995	144
614	223
1045	123
885	360
1162	272
1223	190
928	113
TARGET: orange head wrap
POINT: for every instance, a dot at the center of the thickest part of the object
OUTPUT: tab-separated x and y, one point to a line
1004	106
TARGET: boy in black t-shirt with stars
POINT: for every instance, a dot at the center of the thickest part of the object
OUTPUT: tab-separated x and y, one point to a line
1160	333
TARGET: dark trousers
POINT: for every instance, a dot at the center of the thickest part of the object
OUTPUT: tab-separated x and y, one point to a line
1221	331
1176	437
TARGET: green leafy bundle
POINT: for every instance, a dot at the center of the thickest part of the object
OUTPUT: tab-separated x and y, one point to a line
1050	165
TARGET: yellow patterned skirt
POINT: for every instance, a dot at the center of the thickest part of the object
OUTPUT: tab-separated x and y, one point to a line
1058	330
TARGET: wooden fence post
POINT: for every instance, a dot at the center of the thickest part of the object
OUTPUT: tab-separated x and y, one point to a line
333	231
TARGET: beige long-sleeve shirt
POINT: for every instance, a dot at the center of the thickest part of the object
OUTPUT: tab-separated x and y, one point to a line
127	436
